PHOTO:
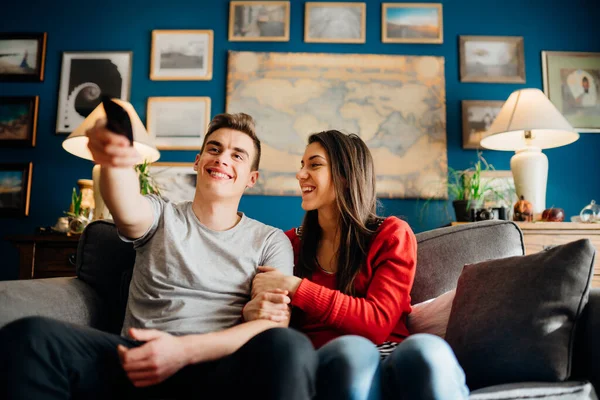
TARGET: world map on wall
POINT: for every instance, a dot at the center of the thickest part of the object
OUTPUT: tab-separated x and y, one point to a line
396	104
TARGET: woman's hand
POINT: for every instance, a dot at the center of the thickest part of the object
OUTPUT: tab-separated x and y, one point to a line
270	279
268	305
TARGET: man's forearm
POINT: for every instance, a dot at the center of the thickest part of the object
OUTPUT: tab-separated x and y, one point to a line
120	188
215	345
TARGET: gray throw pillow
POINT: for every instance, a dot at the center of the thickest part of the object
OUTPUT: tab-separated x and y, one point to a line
513	319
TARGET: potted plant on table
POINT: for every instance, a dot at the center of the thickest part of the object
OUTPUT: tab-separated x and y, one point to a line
468	190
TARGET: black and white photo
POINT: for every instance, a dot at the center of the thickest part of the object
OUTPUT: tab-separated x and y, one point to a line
181	55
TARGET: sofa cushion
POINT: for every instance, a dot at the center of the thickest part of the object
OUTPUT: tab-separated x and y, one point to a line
537	390
442	253
431	316
513	319
104	262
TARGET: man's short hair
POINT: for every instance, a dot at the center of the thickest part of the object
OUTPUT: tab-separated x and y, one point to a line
239	122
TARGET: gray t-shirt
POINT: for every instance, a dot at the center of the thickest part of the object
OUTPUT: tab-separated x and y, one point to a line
188	278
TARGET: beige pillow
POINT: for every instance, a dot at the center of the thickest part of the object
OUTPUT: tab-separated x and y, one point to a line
432	315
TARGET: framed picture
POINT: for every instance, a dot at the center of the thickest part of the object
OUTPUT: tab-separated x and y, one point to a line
503	193
498	59
412	23
477	117
18	121
335	22
572	83
259	21
15	189
175	180
87	76
22	57
181	55
178	123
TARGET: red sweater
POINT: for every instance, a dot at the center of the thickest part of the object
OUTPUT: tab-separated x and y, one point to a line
382	302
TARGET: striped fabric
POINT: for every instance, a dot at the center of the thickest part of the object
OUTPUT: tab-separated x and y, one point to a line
386	348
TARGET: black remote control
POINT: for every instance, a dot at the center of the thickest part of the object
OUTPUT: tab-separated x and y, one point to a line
117	119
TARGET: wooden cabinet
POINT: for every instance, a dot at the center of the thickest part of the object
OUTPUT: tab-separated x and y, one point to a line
542	235
46	256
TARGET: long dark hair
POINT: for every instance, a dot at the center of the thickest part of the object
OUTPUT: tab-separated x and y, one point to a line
353	176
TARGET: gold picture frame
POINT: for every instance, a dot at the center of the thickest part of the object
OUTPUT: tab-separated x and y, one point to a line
25	56
19	125
401	32
259	21
480	58
178	123
315	25
15	189
564	73
181	55
477	117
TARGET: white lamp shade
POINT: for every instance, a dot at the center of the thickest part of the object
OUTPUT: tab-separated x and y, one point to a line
528	110
76	142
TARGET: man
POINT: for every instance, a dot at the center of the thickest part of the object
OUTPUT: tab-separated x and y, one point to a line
194	265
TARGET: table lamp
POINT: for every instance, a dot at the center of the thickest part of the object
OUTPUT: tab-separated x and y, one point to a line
76	143
527	123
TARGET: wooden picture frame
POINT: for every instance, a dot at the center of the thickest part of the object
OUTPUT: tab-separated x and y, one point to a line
176	181
178	123
22	57
181	55
477	117
15	189
480	58
318	27
259	21
85	77
572	83
409	26
18	121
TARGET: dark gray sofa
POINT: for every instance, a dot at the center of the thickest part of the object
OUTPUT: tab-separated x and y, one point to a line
98	296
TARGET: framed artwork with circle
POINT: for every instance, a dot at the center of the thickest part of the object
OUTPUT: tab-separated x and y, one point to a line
86	77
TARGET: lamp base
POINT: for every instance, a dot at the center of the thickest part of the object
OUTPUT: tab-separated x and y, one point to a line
100	211
529	167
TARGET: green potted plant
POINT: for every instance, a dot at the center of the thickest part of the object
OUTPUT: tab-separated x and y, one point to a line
147	183
468	190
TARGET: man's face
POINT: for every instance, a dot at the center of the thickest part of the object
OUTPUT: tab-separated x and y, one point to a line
224	166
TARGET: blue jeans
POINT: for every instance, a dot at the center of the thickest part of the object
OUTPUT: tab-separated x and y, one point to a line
423	367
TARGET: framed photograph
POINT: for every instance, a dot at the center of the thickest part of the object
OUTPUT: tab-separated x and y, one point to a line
15	189
498	59
87	76
477	117
412	23
178	123
181	55
18	121
572	83
22	57
504	193
259	21
335	22
176	181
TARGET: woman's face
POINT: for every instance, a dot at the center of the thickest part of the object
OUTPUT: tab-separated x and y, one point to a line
315	178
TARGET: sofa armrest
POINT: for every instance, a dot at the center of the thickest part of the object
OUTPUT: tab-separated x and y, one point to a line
586	361
66	299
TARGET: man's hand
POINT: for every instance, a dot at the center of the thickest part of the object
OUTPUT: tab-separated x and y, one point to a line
111	149
160	357
268	305
270	279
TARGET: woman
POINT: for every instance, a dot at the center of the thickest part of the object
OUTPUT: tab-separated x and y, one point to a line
354	273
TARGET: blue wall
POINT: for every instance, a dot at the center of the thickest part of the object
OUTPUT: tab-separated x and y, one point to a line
126	25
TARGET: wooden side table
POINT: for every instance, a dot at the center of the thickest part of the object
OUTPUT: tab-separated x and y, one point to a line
539	236
46	256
